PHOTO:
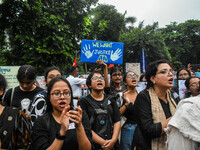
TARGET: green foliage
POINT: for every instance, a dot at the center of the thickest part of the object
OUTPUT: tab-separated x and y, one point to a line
106	23
41	33
48	32
149	39
129	22
103	23
183	41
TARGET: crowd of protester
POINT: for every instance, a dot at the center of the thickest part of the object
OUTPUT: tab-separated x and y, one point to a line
112	116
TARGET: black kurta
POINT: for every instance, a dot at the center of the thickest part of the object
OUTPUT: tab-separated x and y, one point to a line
147	130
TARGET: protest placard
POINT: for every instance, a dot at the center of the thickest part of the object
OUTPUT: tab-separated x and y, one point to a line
134	67
181	88
10	72
109	52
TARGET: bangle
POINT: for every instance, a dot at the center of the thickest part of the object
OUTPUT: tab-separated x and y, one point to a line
125	105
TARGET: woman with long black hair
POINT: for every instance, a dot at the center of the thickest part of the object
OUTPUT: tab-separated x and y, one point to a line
62	127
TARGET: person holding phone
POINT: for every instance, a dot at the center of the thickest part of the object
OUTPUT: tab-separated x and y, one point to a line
62	127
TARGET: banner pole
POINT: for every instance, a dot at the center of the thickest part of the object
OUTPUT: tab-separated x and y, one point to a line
86	67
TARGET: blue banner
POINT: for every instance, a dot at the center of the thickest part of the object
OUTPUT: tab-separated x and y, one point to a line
109	52
143	62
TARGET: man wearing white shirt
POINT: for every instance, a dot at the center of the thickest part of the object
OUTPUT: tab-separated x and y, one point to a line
75	83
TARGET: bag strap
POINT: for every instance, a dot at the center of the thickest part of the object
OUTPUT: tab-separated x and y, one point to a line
12	93
95	105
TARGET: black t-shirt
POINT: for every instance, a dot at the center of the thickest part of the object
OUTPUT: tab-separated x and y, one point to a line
118	94
21	99
129	113
38	106
113	91
112	107
44	137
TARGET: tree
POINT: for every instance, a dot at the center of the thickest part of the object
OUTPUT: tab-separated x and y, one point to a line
129	23
103	23
41	33
149	39
106	23
183	41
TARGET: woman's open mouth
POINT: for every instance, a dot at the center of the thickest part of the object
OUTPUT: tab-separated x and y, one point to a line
171	81
134	81
62	104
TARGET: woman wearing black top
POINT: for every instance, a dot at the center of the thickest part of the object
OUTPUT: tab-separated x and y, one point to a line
154	107
39	105
62	127
96	84
22	96
130	81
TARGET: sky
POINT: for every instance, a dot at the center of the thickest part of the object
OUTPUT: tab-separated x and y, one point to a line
163	11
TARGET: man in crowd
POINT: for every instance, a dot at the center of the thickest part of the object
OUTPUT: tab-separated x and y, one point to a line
75	83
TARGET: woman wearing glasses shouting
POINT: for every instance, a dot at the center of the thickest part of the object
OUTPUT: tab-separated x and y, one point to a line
103	113
62	127
130	80
154	107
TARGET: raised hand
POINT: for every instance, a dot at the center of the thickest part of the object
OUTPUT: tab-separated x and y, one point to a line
116	55
87	52
64	120
100	62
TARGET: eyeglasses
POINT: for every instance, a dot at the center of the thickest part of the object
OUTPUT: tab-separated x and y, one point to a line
98	78
57	95
165	72
194	84
130	76
115	75
184	74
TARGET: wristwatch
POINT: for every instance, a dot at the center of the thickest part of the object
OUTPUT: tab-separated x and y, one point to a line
60	137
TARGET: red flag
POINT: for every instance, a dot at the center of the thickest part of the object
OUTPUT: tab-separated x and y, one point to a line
74	64
111	65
